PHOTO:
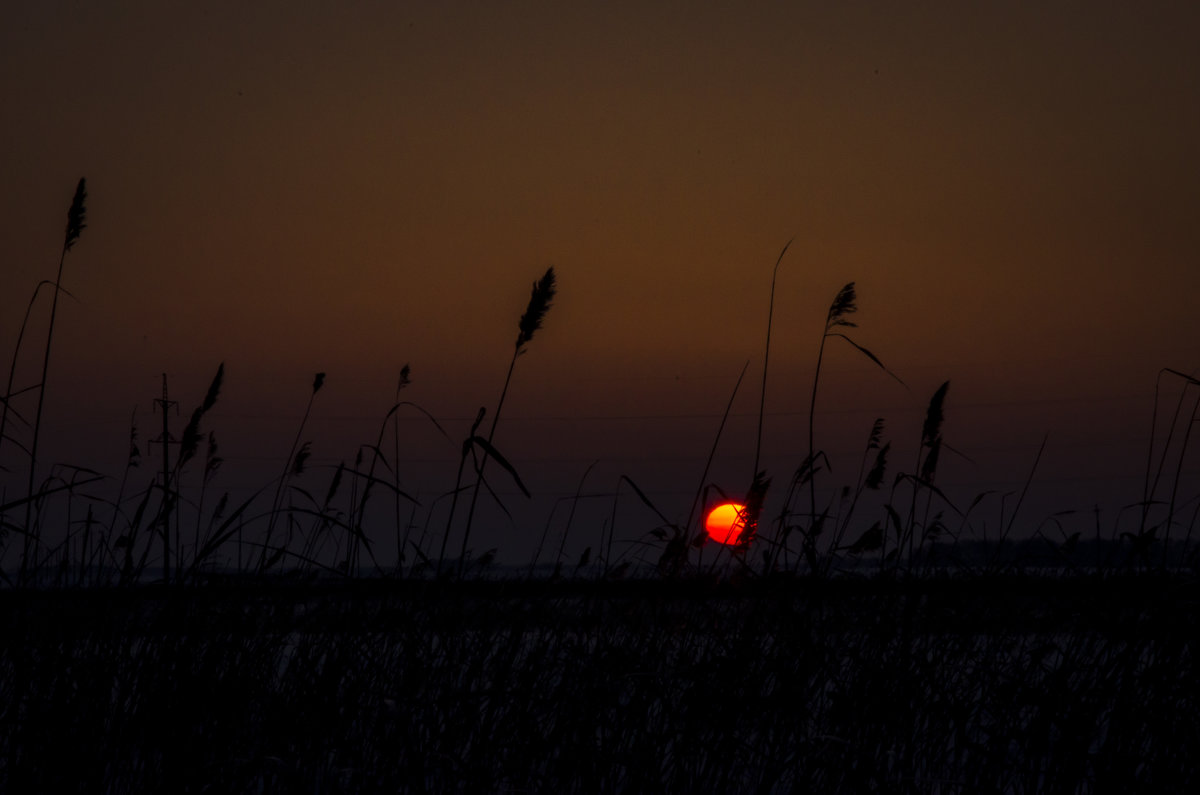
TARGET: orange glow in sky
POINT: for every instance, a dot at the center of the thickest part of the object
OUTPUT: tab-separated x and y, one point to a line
349	188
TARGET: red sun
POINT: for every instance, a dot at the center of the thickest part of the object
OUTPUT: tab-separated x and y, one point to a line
726	522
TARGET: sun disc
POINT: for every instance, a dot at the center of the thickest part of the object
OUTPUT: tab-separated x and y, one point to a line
725	522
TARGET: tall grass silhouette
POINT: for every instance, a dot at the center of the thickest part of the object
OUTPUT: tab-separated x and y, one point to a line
76	223
866	670
927	686
294	465
540	298
762	395
279	539
837	318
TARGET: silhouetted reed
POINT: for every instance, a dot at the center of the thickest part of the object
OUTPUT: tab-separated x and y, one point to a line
540	298
917	678
868	480
189	445
762	395
120	542
928	454
75	225
290	466
838	317
1188	421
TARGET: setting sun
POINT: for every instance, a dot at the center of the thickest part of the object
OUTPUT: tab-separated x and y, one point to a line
726	522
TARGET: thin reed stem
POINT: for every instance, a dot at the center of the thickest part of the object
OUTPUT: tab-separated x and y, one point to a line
762	395
12	370
75	225
462	463
318	382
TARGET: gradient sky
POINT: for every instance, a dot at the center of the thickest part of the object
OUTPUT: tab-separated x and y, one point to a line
299	187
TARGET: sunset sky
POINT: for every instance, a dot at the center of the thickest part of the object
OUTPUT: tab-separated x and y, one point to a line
300	187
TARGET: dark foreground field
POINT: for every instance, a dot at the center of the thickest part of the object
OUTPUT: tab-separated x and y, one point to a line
983	685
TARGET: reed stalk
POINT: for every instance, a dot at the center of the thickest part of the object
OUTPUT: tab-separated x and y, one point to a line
540	299
189	444
12	370
762	395
318	382
401	382
837	318
1151	485
458	487
76	223
928	453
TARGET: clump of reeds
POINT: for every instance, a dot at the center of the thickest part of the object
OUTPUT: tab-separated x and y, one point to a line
871	539
370	480
189	445
837	318
893	538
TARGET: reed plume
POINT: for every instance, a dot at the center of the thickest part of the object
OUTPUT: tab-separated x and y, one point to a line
190	442
931	433
76	215
928	453
539	304
756	495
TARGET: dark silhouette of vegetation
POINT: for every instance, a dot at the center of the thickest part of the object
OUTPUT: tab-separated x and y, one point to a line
918	657
1013	685
540	298
76	216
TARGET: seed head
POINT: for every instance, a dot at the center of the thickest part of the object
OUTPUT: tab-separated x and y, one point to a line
76	215
539	303
844	304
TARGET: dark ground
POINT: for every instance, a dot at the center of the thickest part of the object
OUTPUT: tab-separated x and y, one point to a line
998	683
